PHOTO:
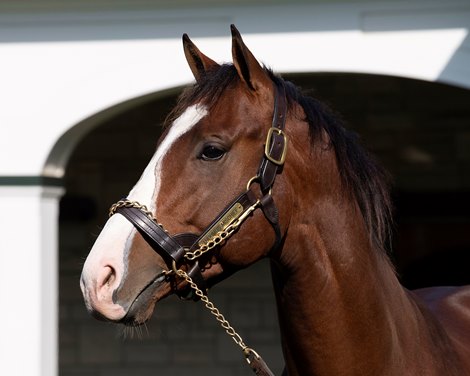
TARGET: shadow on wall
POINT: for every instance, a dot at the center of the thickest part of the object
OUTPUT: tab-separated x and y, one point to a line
209	20
429	18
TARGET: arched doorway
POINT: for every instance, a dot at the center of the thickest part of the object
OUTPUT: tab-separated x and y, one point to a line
419	130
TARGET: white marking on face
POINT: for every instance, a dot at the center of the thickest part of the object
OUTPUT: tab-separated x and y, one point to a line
147	188
110	248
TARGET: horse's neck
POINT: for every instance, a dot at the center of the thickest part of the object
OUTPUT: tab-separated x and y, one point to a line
341	309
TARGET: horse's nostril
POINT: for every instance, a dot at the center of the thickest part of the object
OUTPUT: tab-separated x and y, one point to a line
109	276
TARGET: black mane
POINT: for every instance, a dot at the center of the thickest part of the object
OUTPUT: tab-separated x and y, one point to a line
363	178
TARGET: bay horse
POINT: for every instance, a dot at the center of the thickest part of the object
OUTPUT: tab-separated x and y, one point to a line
285	181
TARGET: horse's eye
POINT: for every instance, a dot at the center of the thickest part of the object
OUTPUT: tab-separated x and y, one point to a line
212	153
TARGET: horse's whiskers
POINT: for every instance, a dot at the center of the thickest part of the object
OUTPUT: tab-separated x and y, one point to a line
134	332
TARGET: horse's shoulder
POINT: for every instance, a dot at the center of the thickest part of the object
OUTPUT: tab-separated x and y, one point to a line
446	299
451	306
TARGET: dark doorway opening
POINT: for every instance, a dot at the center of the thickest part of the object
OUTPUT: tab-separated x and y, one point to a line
420	131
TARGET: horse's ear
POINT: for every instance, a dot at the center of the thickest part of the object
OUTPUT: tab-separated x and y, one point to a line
198	62
248	68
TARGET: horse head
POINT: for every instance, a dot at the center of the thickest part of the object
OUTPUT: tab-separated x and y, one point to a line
209	154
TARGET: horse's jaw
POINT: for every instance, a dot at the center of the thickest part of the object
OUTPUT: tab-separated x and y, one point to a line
142	307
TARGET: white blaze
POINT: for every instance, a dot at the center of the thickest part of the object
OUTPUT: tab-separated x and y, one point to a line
111	246
147	188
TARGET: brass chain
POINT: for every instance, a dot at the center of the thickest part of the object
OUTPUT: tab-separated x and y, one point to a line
133	204
214	311
218	239
221	236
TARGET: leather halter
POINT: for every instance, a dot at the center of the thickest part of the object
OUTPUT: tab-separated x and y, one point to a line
175	249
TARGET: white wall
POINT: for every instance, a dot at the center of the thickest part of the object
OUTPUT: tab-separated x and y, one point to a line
59	69
28	280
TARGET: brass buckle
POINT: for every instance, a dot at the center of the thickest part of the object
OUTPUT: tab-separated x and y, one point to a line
269	139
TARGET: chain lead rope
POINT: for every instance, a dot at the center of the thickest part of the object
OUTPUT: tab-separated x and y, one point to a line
254	360
213	310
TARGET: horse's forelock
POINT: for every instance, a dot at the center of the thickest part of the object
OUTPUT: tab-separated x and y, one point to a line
206	91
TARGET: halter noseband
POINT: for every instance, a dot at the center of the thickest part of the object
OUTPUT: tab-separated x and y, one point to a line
188	247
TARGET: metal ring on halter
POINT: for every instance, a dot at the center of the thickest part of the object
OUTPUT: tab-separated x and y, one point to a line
256	178
247	351
174	267
251	181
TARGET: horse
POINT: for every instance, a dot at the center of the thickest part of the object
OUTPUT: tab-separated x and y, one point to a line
248	167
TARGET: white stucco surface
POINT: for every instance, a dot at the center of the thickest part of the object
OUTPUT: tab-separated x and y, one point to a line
28	280
60	69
